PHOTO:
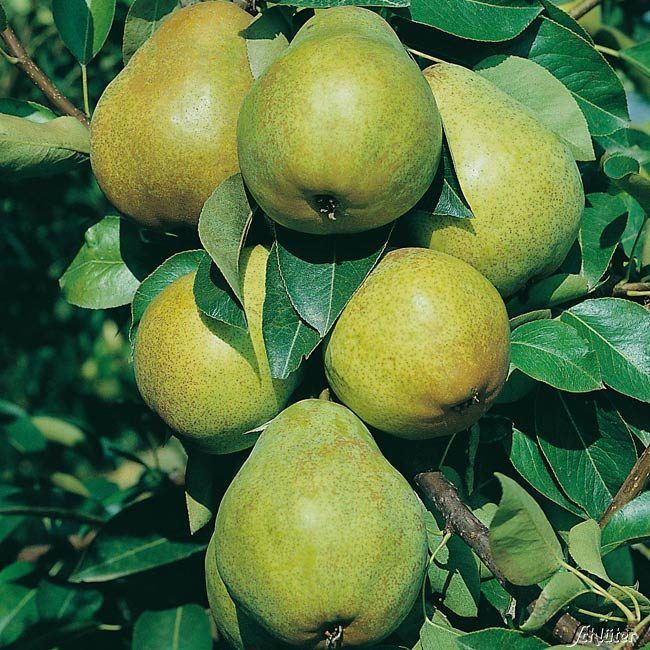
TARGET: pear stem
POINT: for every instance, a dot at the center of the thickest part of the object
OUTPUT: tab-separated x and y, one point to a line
583	8
84	84
428	57
608	50
25	63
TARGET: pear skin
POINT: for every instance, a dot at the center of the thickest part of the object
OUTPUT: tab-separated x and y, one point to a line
209	381
163	135
519	179
341	134
422	349
318	534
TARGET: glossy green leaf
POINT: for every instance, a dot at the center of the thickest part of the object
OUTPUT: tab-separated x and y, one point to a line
572	59
639	56
527	459
139	538
493	638
57	602
629	524
545	97
223	226
438	634
30	149
3	19
214	297
626	173
584	547
602	226
181	628
266	38
201	496
554	353
324	4
491	20
83	25
15	571
587	445
24	436
29	110
560	590
288	339
522	541
18	612
143	19
528	317
548	292
171	269
98	277
618	331
321	273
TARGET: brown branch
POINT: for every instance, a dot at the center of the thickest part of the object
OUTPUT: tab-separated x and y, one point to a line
632	486
632	289
39	78
462	521
583	8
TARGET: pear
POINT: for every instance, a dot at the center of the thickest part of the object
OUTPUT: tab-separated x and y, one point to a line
319	538
520	180
422	348
341	134
209	381
163	135
234	625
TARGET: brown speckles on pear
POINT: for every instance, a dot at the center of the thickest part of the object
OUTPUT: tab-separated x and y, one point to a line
521	182
422	349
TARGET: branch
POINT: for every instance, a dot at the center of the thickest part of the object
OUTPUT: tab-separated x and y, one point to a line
462	521
632	486
632	290
583	8
39	78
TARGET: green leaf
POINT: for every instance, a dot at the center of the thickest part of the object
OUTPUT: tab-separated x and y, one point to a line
572	59
587	445
16	571
141	537
560	590
83	25
527	459
629	524
438	634
324	4
171	269
489	20
492	638
64	603
31	149
454	573
603	223
98	277
639	56
17	612
181	628
266	38
548	292
636	218
554	353
201	497
584	547
58	431
445	196
626	173
223	226
618	331
29	110
288	339
3	19
545	97
143	19
321	273
522	541
25	437
214	297
529	317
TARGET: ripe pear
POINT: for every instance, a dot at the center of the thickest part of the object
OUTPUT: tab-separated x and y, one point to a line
341	134
318	537
234	625
519	179
209	381
163	135
422	349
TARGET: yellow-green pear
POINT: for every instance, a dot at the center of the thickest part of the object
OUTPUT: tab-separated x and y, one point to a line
209	381
163	135
318	538
519	179
422	348
341	134
238	629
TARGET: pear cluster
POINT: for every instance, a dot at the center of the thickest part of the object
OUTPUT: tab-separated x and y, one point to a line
319	542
